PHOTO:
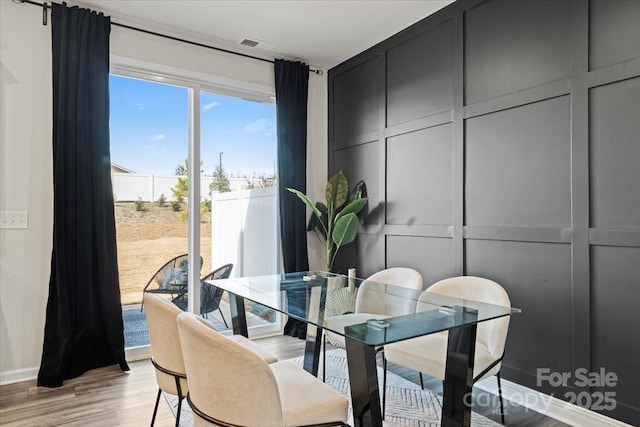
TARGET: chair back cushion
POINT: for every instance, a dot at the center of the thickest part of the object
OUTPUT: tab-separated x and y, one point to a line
165	341
227	381
168	272
171	276
376	299
492	333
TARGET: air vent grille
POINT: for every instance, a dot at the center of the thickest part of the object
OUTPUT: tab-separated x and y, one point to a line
249	42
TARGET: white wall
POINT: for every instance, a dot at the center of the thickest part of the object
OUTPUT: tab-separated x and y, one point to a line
26	185
25	156
317	167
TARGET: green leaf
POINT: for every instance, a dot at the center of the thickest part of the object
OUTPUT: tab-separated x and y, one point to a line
319	223
359	191
307	201
337	190
316	224
345	229
322	207
353	207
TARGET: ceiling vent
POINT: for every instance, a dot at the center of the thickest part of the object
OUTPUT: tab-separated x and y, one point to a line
249	42
257	44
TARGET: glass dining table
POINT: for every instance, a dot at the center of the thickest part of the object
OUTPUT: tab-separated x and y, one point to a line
312	297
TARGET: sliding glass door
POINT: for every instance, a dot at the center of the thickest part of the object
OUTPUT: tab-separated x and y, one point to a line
238	149
160	128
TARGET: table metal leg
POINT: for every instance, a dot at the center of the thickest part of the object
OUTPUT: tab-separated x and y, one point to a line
238	315
458	379
315	313
363	377
312	349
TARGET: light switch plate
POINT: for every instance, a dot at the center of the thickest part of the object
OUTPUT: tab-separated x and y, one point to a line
14	219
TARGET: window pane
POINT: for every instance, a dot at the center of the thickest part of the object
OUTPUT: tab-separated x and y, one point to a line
238	212
238	152
149	145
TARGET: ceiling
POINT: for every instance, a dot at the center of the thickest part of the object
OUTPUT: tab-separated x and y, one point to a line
323	33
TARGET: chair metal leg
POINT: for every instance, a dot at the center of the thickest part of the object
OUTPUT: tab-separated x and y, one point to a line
223	319
155	409
178	411
421	381
500	398
324	358
384	384
180	397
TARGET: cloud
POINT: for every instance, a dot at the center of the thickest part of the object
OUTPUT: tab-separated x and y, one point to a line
159	137
210	106
259	125
140	106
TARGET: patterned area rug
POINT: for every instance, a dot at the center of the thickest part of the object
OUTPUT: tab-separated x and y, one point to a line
136	332
407	404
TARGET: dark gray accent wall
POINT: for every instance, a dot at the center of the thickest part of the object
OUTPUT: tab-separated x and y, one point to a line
502	139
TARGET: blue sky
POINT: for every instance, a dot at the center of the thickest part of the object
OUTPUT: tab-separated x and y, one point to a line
149	129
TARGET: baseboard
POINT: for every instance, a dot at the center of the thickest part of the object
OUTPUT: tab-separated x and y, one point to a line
548	405
18	376
133	354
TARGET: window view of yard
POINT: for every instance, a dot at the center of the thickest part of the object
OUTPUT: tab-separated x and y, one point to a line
147	239
149	127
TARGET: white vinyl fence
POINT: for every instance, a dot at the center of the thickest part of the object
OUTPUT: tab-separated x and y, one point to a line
129	187
244	222
245	231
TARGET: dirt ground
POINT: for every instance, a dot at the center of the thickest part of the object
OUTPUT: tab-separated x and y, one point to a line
148	239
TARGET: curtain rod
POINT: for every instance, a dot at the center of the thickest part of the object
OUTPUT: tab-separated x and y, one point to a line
45	6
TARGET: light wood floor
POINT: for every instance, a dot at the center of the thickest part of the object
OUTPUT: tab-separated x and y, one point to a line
109	397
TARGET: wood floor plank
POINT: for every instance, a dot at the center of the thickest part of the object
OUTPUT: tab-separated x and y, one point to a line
108	397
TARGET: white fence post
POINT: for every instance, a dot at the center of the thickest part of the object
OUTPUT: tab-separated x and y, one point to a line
151	188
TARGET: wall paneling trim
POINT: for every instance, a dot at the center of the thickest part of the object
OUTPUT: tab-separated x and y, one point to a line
502	139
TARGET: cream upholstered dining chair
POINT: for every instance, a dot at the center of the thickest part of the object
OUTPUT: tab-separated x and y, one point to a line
427	354
369	305
167	353
231	386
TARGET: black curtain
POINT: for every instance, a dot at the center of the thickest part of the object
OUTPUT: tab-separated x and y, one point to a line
84	328
292	79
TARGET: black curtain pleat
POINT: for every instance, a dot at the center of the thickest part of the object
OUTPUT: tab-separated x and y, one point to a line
84	327
291	81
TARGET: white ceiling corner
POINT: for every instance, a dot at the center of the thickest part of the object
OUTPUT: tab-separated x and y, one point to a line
322	33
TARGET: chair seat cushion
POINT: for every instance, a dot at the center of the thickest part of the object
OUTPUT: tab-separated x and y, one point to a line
248	344
305	399
339	323
428	354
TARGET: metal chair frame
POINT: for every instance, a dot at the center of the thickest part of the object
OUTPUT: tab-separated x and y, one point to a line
176	376
213	297
169	264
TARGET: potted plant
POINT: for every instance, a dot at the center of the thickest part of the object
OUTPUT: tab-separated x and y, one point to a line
336	222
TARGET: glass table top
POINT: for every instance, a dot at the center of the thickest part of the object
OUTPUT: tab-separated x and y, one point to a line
328	301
